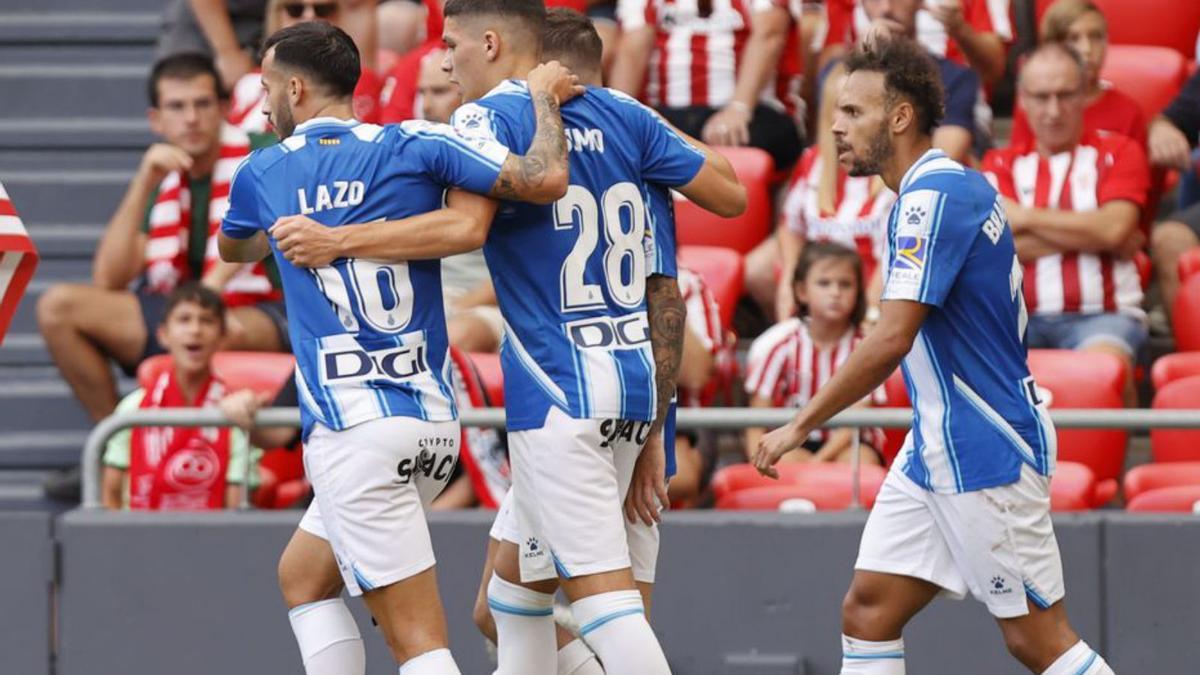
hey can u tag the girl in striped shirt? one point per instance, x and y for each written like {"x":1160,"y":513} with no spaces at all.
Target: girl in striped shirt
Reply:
{"x":795,"y":357}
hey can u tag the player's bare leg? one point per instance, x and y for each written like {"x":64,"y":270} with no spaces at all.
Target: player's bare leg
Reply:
{"x":83,"y":327}
{"x":410,"y":615}
{"x":874,"y":613}
{"x":1044,"y":642}
{"x":327,"y":634}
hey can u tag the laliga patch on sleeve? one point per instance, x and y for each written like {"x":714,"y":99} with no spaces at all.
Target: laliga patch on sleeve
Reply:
{"x":910,"y":253}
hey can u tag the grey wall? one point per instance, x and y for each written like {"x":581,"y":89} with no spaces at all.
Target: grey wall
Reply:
{"x":738,"y":593}
{"x":26,"y":573}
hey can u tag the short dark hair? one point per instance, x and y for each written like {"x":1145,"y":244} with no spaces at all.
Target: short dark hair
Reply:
{"x":183,"y":66}
{"x":198,"y":294}
{"x":531,"y":14}
{"x":816,"y":251}
{"x":908,"y":71}
{"x":320,"y":50}
{"x":571,"y":36}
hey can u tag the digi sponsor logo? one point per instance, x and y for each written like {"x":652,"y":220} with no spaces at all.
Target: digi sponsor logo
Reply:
{"x":910,"y":253}
{"x":603,"y":332}
{"x":348,"y":366}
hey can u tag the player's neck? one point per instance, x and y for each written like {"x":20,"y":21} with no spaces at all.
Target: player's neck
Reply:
{"x":341,"y":110}
{"x":907,"y":152}
{"x":825,"y":333}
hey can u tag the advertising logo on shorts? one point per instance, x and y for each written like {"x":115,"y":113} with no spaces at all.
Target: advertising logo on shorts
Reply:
{"x":194,"y":467}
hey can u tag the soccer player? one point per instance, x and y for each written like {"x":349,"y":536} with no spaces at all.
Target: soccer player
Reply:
{"x":380,"y":424}
{"x":581,"y":385}
{"x":967,"y":505}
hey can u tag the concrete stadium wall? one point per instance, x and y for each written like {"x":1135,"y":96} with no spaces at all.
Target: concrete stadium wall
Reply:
{"x":26,"y":575}
{"x":738,"y":593}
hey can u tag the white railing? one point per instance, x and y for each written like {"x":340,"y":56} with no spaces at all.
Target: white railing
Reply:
{"x":688,"y":418}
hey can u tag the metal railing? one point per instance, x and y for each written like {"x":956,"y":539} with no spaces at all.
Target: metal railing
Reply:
{"x":688,"y":418}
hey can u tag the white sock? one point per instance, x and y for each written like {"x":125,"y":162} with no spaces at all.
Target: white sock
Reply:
{"x":328,"y":638}
{"x":863,"y":657}
{"x":1079,"y":660}
{"x":436,"y":662}
{"x":524,"y":628}
{"x":614,"y":625}
{"x":576,"y":659}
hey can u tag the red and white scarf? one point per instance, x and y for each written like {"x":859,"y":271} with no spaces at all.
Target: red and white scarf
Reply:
{"x":175,"y":468}
{"x":170,"y":225}
{"x":18,"y":260}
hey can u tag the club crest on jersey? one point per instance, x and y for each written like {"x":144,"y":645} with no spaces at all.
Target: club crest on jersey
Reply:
{"x":910,"y":253}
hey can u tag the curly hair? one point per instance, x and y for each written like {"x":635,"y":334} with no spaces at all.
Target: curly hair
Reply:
{"x":908,"y":72}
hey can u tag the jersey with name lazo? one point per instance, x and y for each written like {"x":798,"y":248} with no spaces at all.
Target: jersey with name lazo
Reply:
{"x":571,"y":277}
{"x":977,"y":415}
{"x":369,"y":336}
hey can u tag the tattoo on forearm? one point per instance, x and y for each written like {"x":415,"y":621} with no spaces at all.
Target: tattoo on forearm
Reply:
{"x":667,"y":316}
{"x":548,"y":153}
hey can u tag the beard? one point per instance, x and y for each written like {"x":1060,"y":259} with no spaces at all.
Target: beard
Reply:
{"x":282,"y":119}
{"x":879,"y":151}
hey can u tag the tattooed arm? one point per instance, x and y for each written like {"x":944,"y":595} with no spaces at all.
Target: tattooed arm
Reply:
{"x":668,"y":321}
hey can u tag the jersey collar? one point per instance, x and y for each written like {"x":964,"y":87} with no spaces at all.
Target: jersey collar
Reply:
{"x":930,"y":155}
{"x":324,"y":122}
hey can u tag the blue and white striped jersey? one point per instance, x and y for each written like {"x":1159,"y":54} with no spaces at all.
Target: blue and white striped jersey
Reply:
{"x":571,"y":277}
{"x":977,"y":416}
{"x":369,"y":337}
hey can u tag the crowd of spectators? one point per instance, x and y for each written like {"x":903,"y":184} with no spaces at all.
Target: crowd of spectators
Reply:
{"x":1076,"y":170}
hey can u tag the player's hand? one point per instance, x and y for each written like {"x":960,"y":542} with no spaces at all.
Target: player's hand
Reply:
{"x":241,"y":407}
{"x":648,"y":488}
{"x":1168,"y":146}
{"x":161,"y":159}
{"x":555,"y":79}
{"x":776,"y":444}
{"x":949,"y":13}
{"x":882,"y":30}
{"x":729,"y":126}
{"x":305,"y":242}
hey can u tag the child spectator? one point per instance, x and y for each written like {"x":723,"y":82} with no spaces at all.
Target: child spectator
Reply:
{"x":180,"y":469}
{"x":822,"y":203}
{"x":796,"y":357}
{"x":1080,"y":25}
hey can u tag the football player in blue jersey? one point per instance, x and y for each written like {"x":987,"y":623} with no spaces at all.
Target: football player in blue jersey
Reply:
{"x":582,"y":389}
{"x":966,"y":508}
{"x":379,"y":420}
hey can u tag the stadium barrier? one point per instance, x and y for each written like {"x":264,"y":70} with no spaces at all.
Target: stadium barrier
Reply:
{"x":688,"y":418}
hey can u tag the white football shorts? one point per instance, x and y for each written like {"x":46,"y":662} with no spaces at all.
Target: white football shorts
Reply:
{"x":569,"y":483}
{"x":997,"y":543}
{"x":372,"y":484}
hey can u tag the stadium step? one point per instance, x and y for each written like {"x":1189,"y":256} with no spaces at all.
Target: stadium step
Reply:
{"x":21,"y":490}
{"x":65,"y":195}
{"x":19,"y":25}
{"x":55,"y":90}
{"x":43,"y":405}
{"x":41,"y":449}
{"x":65,"y":241}
{"x":59,"y":52}
{"x":130,"y":133}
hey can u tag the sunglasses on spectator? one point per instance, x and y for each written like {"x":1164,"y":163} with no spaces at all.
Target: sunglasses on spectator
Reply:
{"x":322,"y":10}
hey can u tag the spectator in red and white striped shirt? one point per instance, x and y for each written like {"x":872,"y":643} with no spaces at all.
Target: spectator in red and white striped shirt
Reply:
{"x":1073,"y":199}
{"x":689,"y":60}
{"x":18,"y":260}
{"x":796,"y":357}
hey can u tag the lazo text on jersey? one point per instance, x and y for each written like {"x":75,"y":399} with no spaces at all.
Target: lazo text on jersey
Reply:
{"x":341,"y":195}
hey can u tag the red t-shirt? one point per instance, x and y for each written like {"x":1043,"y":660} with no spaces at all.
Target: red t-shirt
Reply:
{"x":398,"y":98}
{"x":1113,"y":111}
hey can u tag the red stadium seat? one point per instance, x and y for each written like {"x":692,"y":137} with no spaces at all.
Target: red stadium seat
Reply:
{"x":1189,"y":263}
{"x":1171,"y":367}
{"x":820,"y":477}
{"x":1182,"y":499}
{"x":1086,"y":380}
{"x":897,"y":397}
{"x":488,"y":366}
{"x":1154,"y":476}
{"x":695,"y":226}
{"x":1151,"y":75}
{"x":771,"y":498}
{"x":1072,"y":487}
{"x":1185,"y":316}
{"x":1165,"y":23}
{"x":261,"y":371}
{"x":721,"y":269}
{"x":1177,"y":445}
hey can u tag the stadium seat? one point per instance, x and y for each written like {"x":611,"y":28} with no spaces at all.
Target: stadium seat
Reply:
{"x":1154,"y":476}
{"x":816,"y":476}
{"x":261,"y":371}
{"x":773,"y":498}
{"x":721,"y":269}
{"x":1165,"y":23}
{"x":897,"y":397}
{"x":1171,"y":367}
{"x":1185,"y":316}
{"x":1086,"y":380}
{"x":1151,"y":75}
{"x":1072,"y":487}
{"x":1176,"y":445}
{"x":1185,"y":499}
{"x":488,"y":366}
{"x":1189,"y":263}
{"x":695,"y":226}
